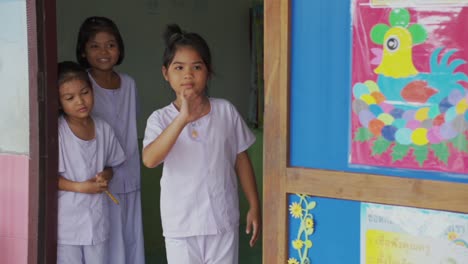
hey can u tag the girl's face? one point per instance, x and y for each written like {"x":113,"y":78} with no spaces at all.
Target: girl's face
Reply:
{"x":187,"y":71}
{"x":76,"y":98}
{"x":102,"y":51}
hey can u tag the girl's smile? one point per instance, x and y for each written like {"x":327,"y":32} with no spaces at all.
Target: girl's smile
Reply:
{"x":102,"y":51}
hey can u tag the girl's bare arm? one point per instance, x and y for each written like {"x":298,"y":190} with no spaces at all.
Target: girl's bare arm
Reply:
{"x":90,"y":186}
{"x":246,"y":176}
{"x":155,"y":152}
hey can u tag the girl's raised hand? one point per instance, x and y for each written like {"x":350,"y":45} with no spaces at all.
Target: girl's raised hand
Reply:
{"x":191,"y":105}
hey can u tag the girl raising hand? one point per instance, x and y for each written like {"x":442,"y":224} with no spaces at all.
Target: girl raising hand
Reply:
{"x":203,"y":144}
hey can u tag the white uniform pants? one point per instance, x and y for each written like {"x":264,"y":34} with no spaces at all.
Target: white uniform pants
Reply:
{"x":126,"y":230}
{"x":93,"y":254}
{"x":210,"y":249}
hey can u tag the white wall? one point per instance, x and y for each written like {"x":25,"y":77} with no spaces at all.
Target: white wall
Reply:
{"x":223,"y":23}
{"x":14,"y":79}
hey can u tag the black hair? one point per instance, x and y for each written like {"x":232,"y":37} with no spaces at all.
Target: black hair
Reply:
{"x":89,"y":28}
{"x":69,"y":70}
{"x":175,"y":38}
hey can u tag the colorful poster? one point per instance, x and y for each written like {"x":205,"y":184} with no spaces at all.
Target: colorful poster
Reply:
{"x":403,"y":235}
{"x":417,"y":3}
{"x":409,"y":85}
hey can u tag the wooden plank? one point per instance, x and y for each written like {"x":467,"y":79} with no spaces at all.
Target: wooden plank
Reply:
{"x":48,"y":132}
{"x":279,"y":179}
{"x":34,"y":150}
{"x":276,"y":69}
{"x":437,"y":195}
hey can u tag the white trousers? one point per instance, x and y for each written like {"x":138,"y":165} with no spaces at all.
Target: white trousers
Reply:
{"x":126,"y":230}
{"x":93,"y":254}
{"x":210,"y":249}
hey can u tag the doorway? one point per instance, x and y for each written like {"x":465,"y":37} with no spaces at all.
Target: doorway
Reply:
{"x":141,"y":24}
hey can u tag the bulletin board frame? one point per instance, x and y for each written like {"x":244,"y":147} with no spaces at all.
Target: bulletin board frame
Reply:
{"x":280,"y":178}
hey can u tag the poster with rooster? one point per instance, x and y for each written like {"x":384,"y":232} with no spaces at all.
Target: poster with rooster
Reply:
{"x":409,"y":85}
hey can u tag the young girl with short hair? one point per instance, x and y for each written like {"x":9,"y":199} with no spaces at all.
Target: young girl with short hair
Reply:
{"x":88,"y":149}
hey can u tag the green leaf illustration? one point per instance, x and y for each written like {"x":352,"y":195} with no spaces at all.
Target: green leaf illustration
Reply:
{"x":363,"y":134}
{"x":441,"y":151}
{"x":399,"y":17}
{"x":399,"y":151}
{"x":421,"y":152}
{"x":377,"y":33}
{"x":311,"y":205}
{"x":380,"y":146}
{"x":418,"y":32}
{"x":460,"y":143}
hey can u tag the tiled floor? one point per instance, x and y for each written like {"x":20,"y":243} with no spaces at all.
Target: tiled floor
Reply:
{"x":247,"y":255}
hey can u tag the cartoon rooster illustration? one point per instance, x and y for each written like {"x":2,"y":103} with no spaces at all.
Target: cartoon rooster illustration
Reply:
{"x":407,"y":109}
{"x":398,"y":78}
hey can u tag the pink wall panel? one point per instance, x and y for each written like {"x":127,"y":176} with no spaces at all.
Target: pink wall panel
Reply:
{"x":14,"y":178}
{"x":13,"y":250}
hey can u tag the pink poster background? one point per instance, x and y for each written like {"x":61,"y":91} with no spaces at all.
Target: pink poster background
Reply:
{"x":446,"y":26}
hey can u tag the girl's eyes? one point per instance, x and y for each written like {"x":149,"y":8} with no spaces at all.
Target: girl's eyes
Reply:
{"x":196,"y":67}
{"x":107,"y":46}
{"x":70,"y":98}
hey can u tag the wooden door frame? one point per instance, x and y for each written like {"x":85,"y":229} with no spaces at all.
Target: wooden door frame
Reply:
{"x":46,"y":137}
{"x":33,"y":180}
{"x":279,"y":178}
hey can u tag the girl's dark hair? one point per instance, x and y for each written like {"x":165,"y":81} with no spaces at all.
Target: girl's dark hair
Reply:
{"x":175,"y":38}
{"x":90,"y":27}
{"x":68,"y":71}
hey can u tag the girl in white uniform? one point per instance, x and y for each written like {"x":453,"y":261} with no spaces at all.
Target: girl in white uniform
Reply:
{"x":203,"y":144}
{"x":100,"y":48}
{"x":88,"y":149}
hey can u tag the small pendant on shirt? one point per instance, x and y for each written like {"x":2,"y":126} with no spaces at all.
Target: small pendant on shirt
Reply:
{"x":194,"y":133}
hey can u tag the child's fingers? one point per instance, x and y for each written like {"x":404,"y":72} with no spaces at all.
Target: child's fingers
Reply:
{"x":102,"y":182}
{"x":255,"y":232}
{"x":101,"y":176}
{"x":101,"y":186}
{"x":252,"y":227}
{"x":188,"y":94}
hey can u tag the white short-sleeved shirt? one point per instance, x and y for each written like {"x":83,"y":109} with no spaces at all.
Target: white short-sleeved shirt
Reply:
{"x":83,"y":218}
{"x":119,"y":108}
{"x":199,"y":182}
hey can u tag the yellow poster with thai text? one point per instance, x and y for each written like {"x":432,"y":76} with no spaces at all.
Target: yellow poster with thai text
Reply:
{"x":392,"y":248}
{"x":403,"y":235}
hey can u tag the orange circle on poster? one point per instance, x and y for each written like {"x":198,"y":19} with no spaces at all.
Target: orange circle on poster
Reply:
{"x":375,"y":126}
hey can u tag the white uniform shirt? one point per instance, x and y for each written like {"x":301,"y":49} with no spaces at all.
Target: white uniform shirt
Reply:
{"x":199,"y":182}
{"x":118,"y":108}
{"x":83,"y":218}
